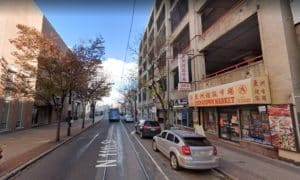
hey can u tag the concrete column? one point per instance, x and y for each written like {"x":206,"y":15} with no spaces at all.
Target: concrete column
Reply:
{"x":281,"y":56}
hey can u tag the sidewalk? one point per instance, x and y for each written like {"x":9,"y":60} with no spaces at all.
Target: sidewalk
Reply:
{"x":241,"y":164}
{"x":22,"y":146}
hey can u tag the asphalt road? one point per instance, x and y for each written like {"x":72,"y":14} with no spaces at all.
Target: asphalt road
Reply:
{"x":109,"y":151}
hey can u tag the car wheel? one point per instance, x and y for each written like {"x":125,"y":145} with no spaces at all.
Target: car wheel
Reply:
{"x":141,"y":134}
{"x":154,"y":146}
{"x":174,"y":162}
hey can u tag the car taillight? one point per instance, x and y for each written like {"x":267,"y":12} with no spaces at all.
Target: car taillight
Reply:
{"x":146,"y":127}
{"x":158,"y":127}
{"x":215,"y":150}
{"x":186,"y":150}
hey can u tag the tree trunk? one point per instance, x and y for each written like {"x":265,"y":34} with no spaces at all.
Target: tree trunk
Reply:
{"x":59,"y":115}
{"x":60,"y":110}
{"x":83,"y":116}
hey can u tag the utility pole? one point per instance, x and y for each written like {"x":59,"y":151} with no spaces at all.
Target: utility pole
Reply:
{"x":135,"y":106}
{"x":69,"y":113}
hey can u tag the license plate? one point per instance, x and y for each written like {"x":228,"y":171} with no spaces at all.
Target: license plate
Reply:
{"x":153,"y":129}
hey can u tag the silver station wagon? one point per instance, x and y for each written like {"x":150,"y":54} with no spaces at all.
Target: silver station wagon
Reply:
{"x":186,"y":149}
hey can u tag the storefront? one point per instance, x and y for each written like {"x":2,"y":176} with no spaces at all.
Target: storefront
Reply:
{"x":242,"y":112}
{"x":182,"y":113}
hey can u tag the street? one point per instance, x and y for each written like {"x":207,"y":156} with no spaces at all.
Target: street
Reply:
{"x":108,"y":151}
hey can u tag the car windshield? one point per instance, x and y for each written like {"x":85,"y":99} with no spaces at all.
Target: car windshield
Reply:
{"x":151,"y":123}
{"x":196,"y":141}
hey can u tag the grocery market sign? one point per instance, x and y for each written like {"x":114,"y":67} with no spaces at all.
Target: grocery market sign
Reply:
{"x":248,"y":91}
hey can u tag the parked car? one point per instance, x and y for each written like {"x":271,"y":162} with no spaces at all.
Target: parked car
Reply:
{"x":147,"y":128}
{"x":186,"y":149}
{"x":122,"y":117}
{"x":1,"y":153}
{"x":113,"y":114}
{"x":128,"y":118}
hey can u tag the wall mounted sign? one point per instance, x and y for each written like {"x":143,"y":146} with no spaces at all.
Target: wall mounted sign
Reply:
{"x":248,"y":91}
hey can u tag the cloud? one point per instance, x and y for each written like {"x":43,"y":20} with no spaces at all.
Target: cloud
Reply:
{"x":116,"y":70}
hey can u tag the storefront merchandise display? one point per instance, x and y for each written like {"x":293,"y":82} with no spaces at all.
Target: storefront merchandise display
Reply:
{"x":281,"y":125}
{"x":255,"y":126}
{"x":210,"y":120}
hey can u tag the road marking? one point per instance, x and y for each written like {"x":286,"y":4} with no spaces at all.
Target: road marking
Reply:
{"x":84,"y":148}
{"x":106,"y":163}
{"x":147,"y":152}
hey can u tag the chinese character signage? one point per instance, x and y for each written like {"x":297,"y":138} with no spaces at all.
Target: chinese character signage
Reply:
{"x":184,"y":87}
{"x":248,"y":91}
{"x":281,"y":125}
{"x":183,"y":68}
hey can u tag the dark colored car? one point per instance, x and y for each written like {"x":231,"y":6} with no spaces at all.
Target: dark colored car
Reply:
{"x":147,"y":128}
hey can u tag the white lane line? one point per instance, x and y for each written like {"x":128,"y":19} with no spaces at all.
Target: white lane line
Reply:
{"x":84,"y":148}
{"x":152,"y":159}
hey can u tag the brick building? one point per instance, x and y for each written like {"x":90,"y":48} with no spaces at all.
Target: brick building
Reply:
{"x":243,"y":66}
{"x":19,"y":113}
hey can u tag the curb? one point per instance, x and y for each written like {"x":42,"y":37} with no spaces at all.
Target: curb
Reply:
{"x":28,"y":163}
{"x":229,"y":176}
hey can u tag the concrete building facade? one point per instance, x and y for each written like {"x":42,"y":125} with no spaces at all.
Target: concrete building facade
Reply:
{"x":20,"y":112}
{"x":244,"y":71}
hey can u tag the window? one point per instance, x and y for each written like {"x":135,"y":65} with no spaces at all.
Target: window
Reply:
{"x":151,"y":37}
{"x":170,"y":137}
{"x":157,"y":4}
{"x":20,"y":114}
{"x":182,"y":41}
{"x":5,"y":114}
{"x":196,"y":141}
{"x":163,"y":134}
{"x":176,"y":140}
{"x":210,"y":124}
{"x":255,"y":125}
{"x":144,"y":95}
{"x":175,"y":78}
{"x":161,"y":38}
{"x":151,"y":123}
{"x":163,"y":83}
{"x":178,"y":12}
{"x":213,"y":10}
{"x":161,"y":18}
{"x":184,"y":117}
{"x":150,"y":21}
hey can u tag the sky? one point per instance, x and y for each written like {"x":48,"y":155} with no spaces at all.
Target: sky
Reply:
{"x":80,"y":20}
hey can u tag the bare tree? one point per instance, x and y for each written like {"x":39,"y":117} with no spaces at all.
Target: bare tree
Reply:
{"x":93,"y":84}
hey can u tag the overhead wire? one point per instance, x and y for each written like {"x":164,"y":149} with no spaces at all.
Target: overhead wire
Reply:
{"x":128,"y":40}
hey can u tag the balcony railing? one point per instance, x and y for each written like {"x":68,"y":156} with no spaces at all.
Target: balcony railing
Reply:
{"x":230,"y":68}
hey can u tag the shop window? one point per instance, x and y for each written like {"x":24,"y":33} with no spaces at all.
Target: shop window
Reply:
{"x":184,"y":117}
{"x":210,"y":120}
{"x":229,"y":124}
{"x":255,"y":125}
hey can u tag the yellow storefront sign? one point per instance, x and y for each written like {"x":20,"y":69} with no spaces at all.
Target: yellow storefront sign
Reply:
{"x":248,"y":91}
